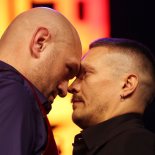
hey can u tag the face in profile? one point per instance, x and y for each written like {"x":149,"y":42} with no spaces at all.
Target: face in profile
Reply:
{"x":95,"y":88}
{"x":63,"y":65}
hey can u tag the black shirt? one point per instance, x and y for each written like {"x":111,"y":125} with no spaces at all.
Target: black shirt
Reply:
{"x":122,"y":135}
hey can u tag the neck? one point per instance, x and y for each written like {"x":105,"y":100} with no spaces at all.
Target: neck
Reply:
{"x":124,"y":107}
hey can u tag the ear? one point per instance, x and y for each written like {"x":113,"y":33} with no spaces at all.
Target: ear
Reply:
{"x":39,"y":40}
{"x":130,"y":85}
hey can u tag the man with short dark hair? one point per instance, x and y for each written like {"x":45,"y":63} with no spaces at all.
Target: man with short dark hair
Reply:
{"x":111,"y":92}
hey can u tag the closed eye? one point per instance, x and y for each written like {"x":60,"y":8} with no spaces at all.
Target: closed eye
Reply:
{"x":85,"y":70}
{"x":81,"y":73}
{"x":72,"y":71}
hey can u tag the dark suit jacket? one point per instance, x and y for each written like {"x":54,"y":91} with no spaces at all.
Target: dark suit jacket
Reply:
{"x":22,"y":126}
{"x":122,"y":135}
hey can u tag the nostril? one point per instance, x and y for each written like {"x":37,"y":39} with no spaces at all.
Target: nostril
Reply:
{"x":62,"y":93}
{"x":69,"y":90}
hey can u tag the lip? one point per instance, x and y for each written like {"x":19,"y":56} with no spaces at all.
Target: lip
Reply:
{"x":76,"y":101}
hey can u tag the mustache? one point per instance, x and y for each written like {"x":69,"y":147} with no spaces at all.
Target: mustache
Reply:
{"x":76,"y":98}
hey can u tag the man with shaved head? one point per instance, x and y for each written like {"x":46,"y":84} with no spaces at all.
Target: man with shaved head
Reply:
{"x":40,"y":52}
{"x":110,"y":94}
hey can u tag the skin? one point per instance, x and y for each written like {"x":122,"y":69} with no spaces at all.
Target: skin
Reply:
{"x":104,"y":77}
{"x":43,"y":45}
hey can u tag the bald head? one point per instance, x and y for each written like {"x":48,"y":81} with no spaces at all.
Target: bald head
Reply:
{"x":19,"y":34}
{"x":36,"y":41}
{"x":27,"y":23}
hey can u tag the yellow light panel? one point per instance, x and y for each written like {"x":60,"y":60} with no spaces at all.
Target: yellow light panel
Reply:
{"x":4,"y":15}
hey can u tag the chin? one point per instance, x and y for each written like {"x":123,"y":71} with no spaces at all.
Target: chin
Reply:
{"x":79,"y":122}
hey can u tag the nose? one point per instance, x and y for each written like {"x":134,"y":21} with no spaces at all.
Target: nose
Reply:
{"x":74,"y":87}
{"x":62,"y":88}
{"x":70,"y":89}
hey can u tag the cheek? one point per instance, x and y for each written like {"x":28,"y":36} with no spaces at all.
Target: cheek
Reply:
{"x":59,"y":73}
{"x":89,"y":89}
{"x":97,"y":92}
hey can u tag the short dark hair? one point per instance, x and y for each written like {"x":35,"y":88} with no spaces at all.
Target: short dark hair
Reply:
{"x":142,"y":55}
{"x":132,"y":46}
{"x":124,"y":43}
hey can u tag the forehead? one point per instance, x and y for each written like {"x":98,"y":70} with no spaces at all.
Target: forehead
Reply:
{"x":95,"y":56}
{"x":106,"y":54}
{"x":69,"y":38}
{"x":68,"y":48}
{"x":73,"y":55}
{"x":71,"y":47}
{"x":104,"y":59}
